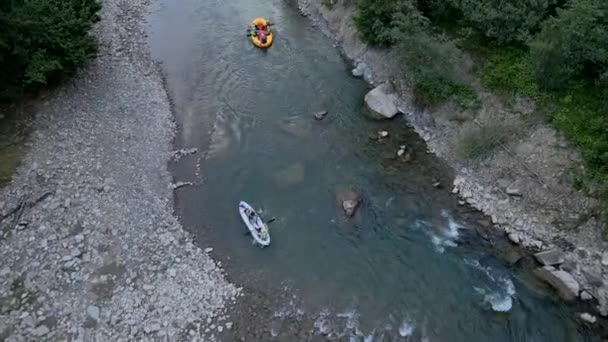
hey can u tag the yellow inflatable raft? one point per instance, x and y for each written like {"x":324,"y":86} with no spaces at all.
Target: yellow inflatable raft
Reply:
{"x":254,"y":38}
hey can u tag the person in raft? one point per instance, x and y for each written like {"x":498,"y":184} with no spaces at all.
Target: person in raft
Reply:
{"x":261,"y":31}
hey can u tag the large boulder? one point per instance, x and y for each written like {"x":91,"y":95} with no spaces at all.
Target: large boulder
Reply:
{"x":562,"y":281}
{"x":381,"y":102}
{"x":550,"y":257}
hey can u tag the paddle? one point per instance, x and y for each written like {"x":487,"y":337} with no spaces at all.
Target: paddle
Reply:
{"x":267,"y":222}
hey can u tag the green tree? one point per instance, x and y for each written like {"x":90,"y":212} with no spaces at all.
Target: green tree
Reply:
{"x":42,"y":42}
{"x":573,"y":46}
{"x":377,"y":19}
{"x":504,"y":21}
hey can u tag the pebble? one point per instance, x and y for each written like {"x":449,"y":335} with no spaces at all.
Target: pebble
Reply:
{"x":513,"y":192}
{"x":220,"y":328}
{"x":148,"y":287}
{"x":586,"y":295}
{"x":208,"y":250}
{"x":93,"y":312}
{"x":229,"y":325}
{"x":172,"y":272}
{"x":40,"y":331}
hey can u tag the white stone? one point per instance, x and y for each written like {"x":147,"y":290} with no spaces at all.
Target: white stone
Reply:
{"x":40,"y":331}
{"x":586,"y":295}
{"x":208,"y":250}
{"x":513,"y":192}
{"x":93,"y":312}
{"x":605,"y":258}
{"x":380,"y":102}
{"x":588,"y":318}
{"x":514,"y":237}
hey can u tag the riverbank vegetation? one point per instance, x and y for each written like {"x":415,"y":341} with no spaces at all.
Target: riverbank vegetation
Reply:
{"x":554,"y":52}
{"x":43,"y":42}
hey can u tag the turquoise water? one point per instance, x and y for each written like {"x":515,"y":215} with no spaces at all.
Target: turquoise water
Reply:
{"x":408,"y":266}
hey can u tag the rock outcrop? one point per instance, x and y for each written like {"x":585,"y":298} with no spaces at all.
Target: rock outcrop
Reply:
{"x":550,"y":257}
{"x":561,"y":280}
{"x":381,"y":102}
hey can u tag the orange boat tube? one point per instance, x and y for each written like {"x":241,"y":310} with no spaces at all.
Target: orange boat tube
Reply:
{"x":255,"y":38}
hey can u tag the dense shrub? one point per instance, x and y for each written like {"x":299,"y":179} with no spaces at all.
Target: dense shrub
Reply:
{"x":504,"y":21}
{"x":573,"y":46}
{"x":376,"y":20}
{"x":42,"y":42}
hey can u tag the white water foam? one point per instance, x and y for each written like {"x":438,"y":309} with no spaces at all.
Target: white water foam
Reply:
{"x":447,"y":237}
{"x":500,"y":300}
{"x":406,"y":328}
{"x":323,"y":324}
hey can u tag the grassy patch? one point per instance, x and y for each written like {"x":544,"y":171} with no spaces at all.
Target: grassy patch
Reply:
{"x":481,"y":142}
{"x":580,"y":112}
{"x":11,"y":150}
{"x":434,"y":91}
{"x":510,"y":69}
{"x":10,"y":157}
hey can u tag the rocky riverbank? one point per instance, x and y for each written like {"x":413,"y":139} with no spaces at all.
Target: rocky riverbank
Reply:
{"x":89,"y":247}
{"x":525,"y":186}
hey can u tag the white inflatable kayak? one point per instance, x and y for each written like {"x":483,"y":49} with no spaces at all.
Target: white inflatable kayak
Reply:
{"x":257,"y":227}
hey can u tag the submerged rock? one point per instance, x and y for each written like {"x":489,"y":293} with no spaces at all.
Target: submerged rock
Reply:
{"x":381,"y":102}
{"x":350,"y":201}
{"x":562,"y":281}
{"x":550,"y":257}
{"x":293,"y":174}
{"x":320,"y":115}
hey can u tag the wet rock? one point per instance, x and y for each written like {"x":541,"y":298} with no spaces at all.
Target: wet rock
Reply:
{"x":93,"y":312}
{"x":360,"y":69}
{"x":562,"y":281}
{"x":40,"y":331}
{"x":349,"y":200}
{"x":586,"y":295}
{"x":514,"y":237}
{"x":513,"y":192}
{"x":550,"y":257}
{"x":587,"y":317}
{"x":320,"y":115}
{"x":380,"y":102}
